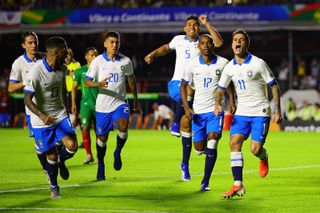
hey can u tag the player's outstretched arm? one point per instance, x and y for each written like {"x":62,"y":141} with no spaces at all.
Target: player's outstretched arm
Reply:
{"x":217,"y":39}
{"x":161,"y":51}
{"x":74,"y":97}
{"x":91,"y":83}
{"x":277,"y":117}
{"x":133,"y":87}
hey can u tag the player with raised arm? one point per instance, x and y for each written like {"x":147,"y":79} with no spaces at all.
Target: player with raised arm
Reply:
{"x":203,"y":74}
{"x":111,"y":69}
{"x":45,"y":96}
{"x":250,"y":76}
{"x":186,"y":48}
{"x":88,"y":102}
{"x":18,"y":78}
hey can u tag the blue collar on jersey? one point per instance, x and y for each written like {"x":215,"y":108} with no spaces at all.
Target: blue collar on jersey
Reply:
{"x":47,"y":65}
{"x":214,"y":60}
{"x":108,"y":59}
{"x":186,"y":38}
{"x":247,"y":61}
{"x":27,"y":58}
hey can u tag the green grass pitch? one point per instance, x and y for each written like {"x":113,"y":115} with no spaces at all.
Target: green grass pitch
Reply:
{"x":150,"y":179}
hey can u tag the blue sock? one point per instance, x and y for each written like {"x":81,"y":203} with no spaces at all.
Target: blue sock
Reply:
{"x":237,"y":172}
{"x":101,"y":152}
{"x":66,"y":154}
{"x":179,"y":112}
{"x":120,"y":143}
{"x":211,"y":157}
{"x":186,"y":149}
{"x":43,"y":160}
{"x":52,"y":169}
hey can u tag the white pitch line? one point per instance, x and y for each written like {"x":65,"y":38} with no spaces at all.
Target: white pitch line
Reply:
{"x":77,"y":210}
{"x":195,"y":175}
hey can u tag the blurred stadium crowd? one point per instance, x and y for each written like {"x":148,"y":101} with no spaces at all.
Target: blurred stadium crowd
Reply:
{"x":69,"y":4}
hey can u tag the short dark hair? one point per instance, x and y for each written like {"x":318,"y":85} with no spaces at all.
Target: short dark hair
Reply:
{"x":192,"y":17}
{"x":89,"y":49}
{"x":55,"y":42}
{"x":243,"y":32}
{"x":24,"y":35}
{"x":114,"y":34}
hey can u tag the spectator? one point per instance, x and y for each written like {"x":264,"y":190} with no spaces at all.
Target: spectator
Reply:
{"x":305,"y":112}
{"x":283,"y":71}
{"x":162,"y":116}
{"x":291,"y":110}
{"x":316,"y":115}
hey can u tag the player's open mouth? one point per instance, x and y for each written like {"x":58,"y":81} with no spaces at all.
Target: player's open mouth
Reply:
{"x":238,"y":47}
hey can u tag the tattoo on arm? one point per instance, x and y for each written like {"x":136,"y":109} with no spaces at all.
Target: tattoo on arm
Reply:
{"x":33,"y":107}
{"x":276,"y":96}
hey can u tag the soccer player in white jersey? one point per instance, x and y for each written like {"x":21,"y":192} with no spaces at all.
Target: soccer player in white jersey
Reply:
{"x":250,"y":76}
{"x":203,"y":74}
{"x":186,"y":48}
{"x":45,"y":96}
{"x":110,"y":70}
{"x":18,"y":78}
{"x":162,"y":116}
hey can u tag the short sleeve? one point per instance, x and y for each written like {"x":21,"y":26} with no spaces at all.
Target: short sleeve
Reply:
{"x":266,"y":73}
{"x":77,"y":76}
{"x":128,"y":68}
{"x":173,"y":43}
{"x":224,"y":79}
{"x":15,"y":74}
{"x":93,"y":70}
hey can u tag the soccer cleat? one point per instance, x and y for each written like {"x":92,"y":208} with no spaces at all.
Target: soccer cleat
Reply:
{"x":55,"y":192}
{"x":175,"y":129}
{"x":204,"y":186}
{"x":100,"y":173}
{"x":264,"y":167}
{"x":89,"y":159}
{"x":185,"y":172}
{"x":64,"y":172}
{"x":47,"y":176}
{"x":117,"y":164}
{"x":234,"y":190}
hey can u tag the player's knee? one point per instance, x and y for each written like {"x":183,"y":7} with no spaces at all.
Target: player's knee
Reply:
{"x":255,"y":149}
{"x":212,"y":144}
{"x":199,"y":147}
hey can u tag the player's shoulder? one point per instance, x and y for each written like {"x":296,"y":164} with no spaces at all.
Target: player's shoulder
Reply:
{"x":123,"y":58}
{"x":259,"y":62}
{"x":221,"y":59}
{"x":18,"y":61}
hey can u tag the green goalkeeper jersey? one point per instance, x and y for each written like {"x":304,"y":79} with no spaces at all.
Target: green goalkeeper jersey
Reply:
{"x":89,"y":95}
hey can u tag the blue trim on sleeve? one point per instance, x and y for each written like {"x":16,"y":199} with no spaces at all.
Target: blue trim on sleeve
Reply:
{"x":183,"y":80}
{"x":90,"y":78}
{"x":220,"y":87}
{"x":14,"y":81}
{"x":28,"y":91}
{"x":271,"y":83}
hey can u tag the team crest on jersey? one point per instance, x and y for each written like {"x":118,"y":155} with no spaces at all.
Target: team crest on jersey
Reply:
{"x":249,"y":74}
{"x":122,"y":67}
{"x":218,"y":72}
{"x":196,"y":45}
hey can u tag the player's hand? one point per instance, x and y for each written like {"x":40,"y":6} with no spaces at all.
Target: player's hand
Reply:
{"x":148,"y":59}
{"x":232,"y":108}
{"x":104,"y":82}
{"x":277,"y":117}
{"x":217,"y":109}
{"x":203,"y":19}
{"x":73,"y":109}
{"x":136,"y":107}
{"x":188,"y":113}
{"x":48,"y":120}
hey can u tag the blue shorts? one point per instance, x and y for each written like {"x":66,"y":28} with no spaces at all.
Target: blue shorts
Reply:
{"x":105,"y":121}
{"x":46,"y":138}
{"x":258,"y":126}
{"x":174,"y":90}
{"x":204,"y":123}
{"x":31,"y":134}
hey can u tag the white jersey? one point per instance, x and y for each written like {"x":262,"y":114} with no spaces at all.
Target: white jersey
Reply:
{"x":112,"y":96}
{"x":163,"y":111}
{"x":47,"y":85}
{"x":204,"y":79}
{"x":19,"y":71}
{"x":249,"y":79}
{"x":185,"y":51}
